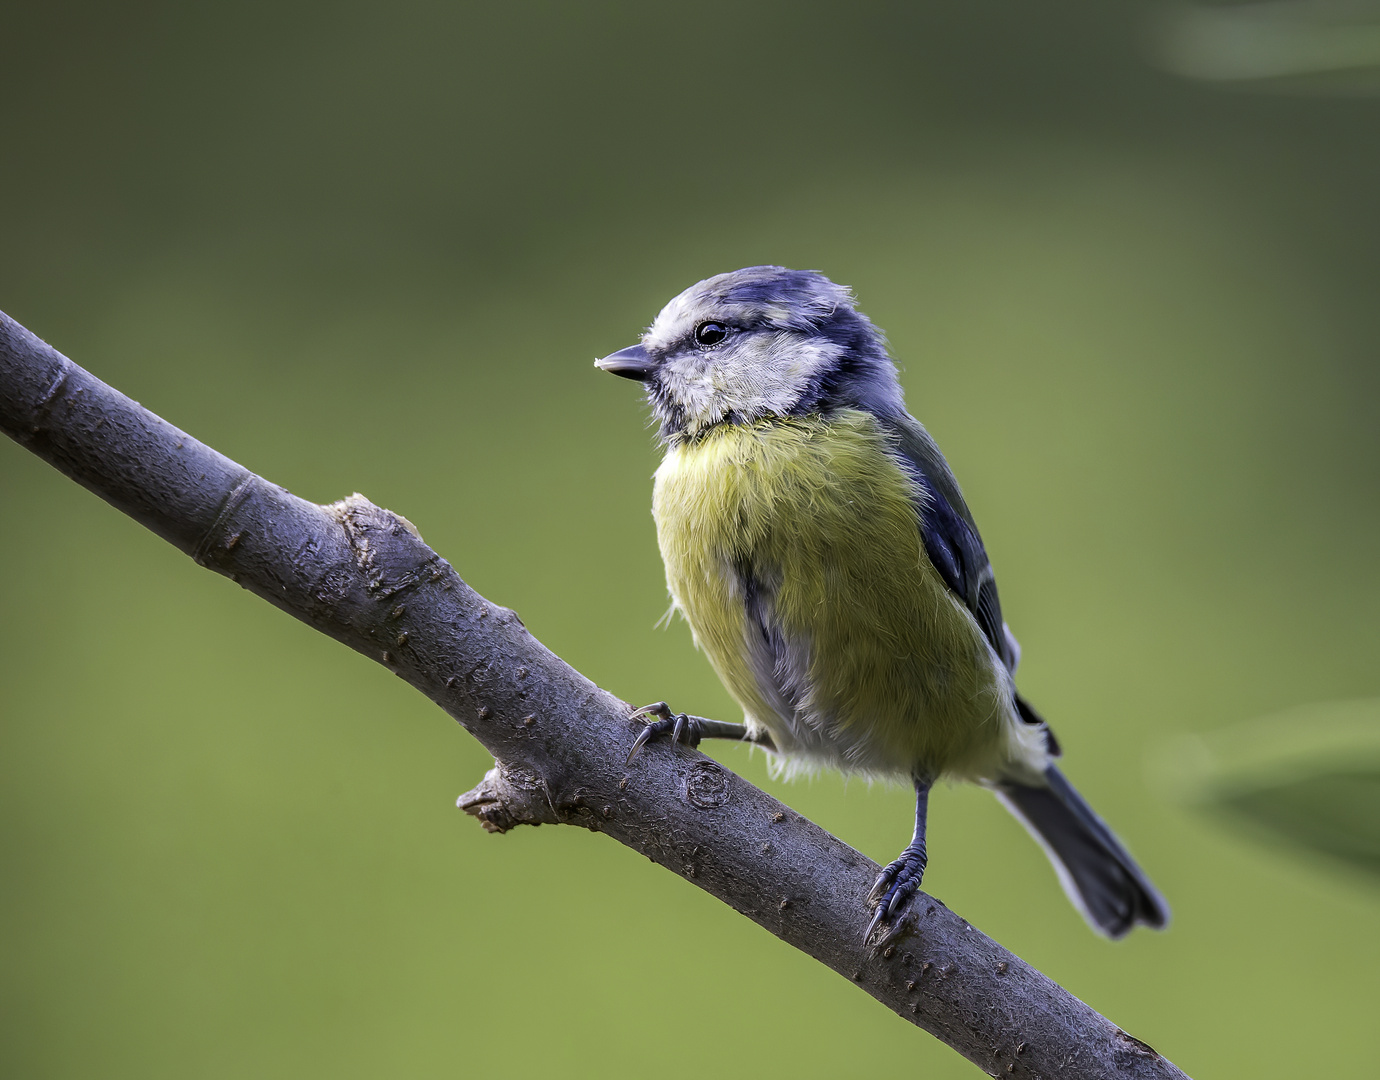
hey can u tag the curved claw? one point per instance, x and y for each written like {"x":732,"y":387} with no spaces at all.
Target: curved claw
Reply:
{"x":681,"y":727}
{"x":643,"y":738}
{"x":658,"y":709}
{"x":881,"y":885}
{"x":895,"y":885}
{"x":877,"y":920}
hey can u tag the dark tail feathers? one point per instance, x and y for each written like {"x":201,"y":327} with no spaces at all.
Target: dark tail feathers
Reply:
{"x":1100,"y":877}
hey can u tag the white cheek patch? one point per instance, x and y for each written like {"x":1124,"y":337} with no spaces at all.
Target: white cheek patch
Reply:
{"x":769,"y":373}
{"x":755,"y":376}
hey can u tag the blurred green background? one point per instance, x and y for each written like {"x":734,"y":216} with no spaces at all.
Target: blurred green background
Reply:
{"x":374,"y":248}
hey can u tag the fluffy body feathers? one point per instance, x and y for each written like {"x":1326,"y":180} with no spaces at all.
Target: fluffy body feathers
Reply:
{"x":792,"y":549}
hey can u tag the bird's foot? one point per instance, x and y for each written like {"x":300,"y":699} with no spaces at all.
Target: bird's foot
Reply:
{"x":895,"y":886}
{"x":682,"y":727}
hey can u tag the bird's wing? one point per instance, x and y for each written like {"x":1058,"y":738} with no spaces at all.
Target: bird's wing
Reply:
{"x":780,"y":665}
{"x":954,"y":545}
{"x":951,"y":535}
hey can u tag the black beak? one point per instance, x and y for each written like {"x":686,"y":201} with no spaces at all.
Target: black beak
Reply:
{"x":632,"y":363}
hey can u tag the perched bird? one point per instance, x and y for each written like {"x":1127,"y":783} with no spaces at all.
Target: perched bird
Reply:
{"x":818,"y":544}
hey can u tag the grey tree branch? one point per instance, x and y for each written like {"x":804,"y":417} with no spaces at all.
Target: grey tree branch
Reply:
{"x":363,"y":575}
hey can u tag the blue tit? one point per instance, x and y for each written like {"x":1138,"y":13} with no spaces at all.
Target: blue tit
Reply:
{"x":817,"y":543}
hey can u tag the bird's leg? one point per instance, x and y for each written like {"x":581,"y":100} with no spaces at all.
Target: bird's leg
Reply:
{"x":689,"y":730}
{"x":898,"y":882}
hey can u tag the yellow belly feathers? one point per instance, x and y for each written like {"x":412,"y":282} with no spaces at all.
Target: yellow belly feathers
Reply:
{"x":897,"y":676}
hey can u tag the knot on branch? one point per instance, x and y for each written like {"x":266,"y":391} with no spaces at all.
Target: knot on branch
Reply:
{"x":509,"y":795}
{"x":386,"y":546}
{"x":706,"y":785}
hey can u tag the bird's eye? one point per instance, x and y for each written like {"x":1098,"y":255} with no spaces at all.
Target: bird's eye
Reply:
{"x":709,"y":334}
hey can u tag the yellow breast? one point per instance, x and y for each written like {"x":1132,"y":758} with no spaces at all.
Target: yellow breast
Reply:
{"x":888,"y":672}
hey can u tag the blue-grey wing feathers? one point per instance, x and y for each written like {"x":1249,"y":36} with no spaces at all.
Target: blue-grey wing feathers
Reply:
{"x":951,"y":535}
{"x":779,"y":666}
{"x":954,"y":545}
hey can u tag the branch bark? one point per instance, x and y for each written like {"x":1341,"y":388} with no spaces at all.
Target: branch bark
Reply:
{"x":362,"y":575}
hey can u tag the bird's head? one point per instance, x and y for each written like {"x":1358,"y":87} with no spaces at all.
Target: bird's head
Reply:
{"x":757,"y":343}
